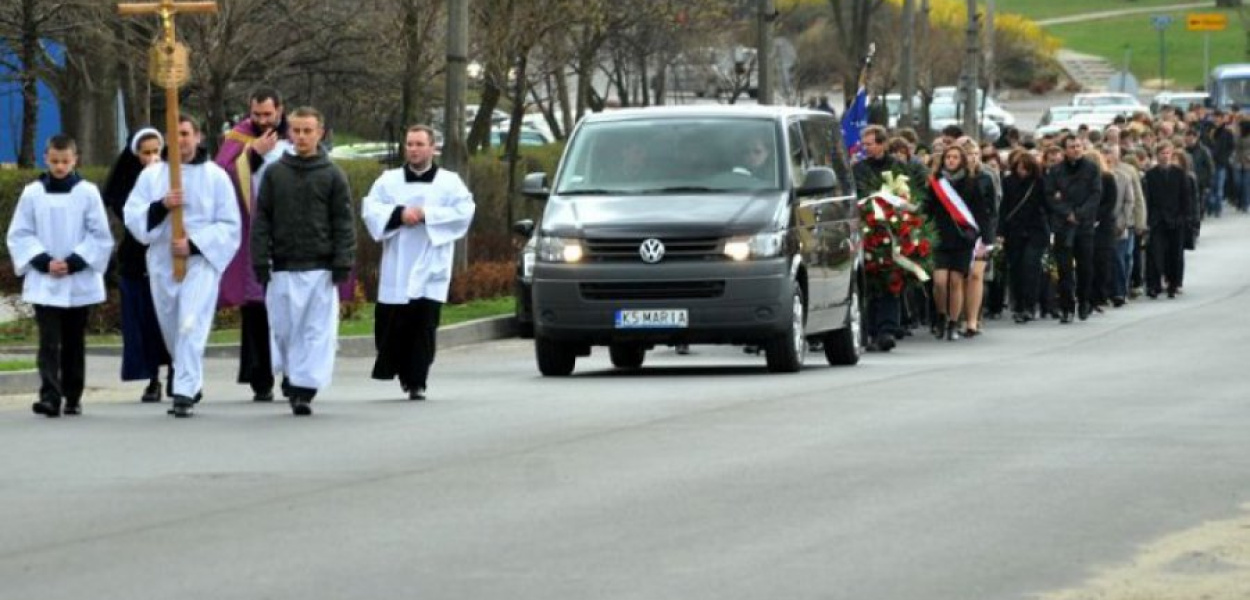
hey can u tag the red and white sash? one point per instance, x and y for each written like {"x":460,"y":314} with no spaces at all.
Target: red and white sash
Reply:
{"x":954,"y":205}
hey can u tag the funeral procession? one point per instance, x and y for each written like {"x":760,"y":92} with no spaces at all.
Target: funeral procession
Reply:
{"x":625,"y":299}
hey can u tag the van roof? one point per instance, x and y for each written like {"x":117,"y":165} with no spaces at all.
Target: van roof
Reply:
{"x":704,"y":110}
{"x":1234,"y":69}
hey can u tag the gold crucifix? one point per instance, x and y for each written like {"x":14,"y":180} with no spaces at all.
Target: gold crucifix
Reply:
{"x":170,"y":69}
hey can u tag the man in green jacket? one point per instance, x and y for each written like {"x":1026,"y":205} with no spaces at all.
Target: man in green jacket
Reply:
{"x":303,"y":244}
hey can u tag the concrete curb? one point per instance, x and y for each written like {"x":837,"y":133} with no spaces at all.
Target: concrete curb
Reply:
{"x":460,"y":334}
{"x":19,"y":382}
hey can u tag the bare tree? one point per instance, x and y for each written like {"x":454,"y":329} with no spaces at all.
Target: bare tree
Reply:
{"x":23,"y":26}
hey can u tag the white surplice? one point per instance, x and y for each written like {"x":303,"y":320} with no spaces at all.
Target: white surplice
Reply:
{"x":210,"y":216}
{"x":417,"y":260}
{"x":61,"y":225}
{"x":303,"y":326}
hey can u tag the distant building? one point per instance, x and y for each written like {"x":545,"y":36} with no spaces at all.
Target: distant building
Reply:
{"x":49,"y":121}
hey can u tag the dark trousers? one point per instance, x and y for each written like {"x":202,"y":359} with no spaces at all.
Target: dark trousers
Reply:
{"x":1083,"y":252}
{"x":1024,"y":266}
{"x":1167,"y":258}
{"x":996,"y":274}
{"x":1137,"y":271}
{"x":405,"y":338}
{"x":1105,"y":270}
{"x":884,"y":315}
{"x":255,"y":365}
{"x":62,"y":356}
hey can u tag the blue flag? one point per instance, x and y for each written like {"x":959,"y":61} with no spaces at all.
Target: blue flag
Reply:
{"x":854,"y":121}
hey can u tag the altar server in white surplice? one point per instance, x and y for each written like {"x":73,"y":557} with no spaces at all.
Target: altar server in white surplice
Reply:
{"x":212,"y":224}
{"x":417,"y":212}
{"x":60,"y":242}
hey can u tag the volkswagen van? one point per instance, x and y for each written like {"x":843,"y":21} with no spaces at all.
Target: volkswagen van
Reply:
{"x":668,"y":226}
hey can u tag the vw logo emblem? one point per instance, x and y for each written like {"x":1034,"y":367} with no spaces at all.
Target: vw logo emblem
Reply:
{"x":651,"y":251}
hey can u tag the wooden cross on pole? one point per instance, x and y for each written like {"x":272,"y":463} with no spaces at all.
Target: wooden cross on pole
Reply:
{"x":170,"y":69}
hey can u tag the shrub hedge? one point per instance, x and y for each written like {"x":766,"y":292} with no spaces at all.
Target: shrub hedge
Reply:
{"x":491,"y":244}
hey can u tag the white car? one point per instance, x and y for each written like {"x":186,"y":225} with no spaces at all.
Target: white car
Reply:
{"x":942,"y":114}
{"x":988,"y":106}
{"x":1181,"y":100}
{"x":1107,"y":99}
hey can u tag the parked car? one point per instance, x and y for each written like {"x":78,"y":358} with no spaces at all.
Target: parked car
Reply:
{"x":1181,"y":100}
{"x":655,"y":233}
{"x":942,"y":114}
{"x":988,"y":106}
{"x":1107,"y":99}
{"x":523,"y":282}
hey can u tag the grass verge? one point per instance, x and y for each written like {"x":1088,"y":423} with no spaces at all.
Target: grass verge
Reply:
{"x":1110,"y":38}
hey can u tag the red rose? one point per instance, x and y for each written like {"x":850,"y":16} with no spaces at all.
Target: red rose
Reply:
{"x":924,"y":247}
{"x":896,"y":282}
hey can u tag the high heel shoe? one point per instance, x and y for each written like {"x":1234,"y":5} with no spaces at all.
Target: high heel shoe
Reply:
{"x":952,"y":331}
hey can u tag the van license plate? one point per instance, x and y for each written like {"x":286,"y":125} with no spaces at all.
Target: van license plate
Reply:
{"x":676,"y":318}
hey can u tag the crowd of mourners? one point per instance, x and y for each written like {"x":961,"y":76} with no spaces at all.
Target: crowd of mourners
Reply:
{"x":1061,"y":227}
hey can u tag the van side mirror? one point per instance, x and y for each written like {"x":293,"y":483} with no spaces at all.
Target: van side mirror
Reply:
{"x":524,"y":228}
{"x":819,"y":180}
{"x":535,"y":186}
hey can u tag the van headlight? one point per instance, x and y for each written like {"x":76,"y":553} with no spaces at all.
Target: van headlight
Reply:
{"x":762,"y":245}
{"x":559,"y":250}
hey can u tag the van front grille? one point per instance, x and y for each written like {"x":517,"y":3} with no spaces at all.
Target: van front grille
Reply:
{"x":653,"y":290}
{"x":626,"y":249}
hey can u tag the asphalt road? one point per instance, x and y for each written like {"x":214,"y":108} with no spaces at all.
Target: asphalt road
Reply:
{"x":1024,"y":462}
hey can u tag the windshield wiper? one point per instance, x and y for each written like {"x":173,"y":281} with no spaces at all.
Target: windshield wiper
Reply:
{"x":590,"y":192}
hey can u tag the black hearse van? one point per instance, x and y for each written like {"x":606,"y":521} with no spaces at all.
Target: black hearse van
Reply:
{"x":698,"y":225}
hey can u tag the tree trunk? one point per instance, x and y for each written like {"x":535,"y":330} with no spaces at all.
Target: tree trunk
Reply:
{"x":479,"y":134}
{"x":30,"y":86}
{"x":562,"y":94}
{"x":514,"y":131}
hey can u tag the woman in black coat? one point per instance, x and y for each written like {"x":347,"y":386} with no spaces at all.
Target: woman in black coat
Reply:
{"x":952,"y":259}
{"x":1025,"y":232}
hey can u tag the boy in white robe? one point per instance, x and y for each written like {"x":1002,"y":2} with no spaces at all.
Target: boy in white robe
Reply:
{"x":60,"y":243}
{"x":303,"y":245}
{"x":212,"y":225}
{"x":417,"y":212}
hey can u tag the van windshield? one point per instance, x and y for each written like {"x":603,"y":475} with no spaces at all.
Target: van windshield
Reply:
{"x":671,"y":155}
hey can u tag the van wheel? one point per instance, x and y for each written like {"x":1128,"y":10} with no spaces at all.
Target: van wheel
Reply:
{"x":845,"y":346}
{"x":786,"y":353}
{"x":627,"y":356}
{"x":554,"y":358}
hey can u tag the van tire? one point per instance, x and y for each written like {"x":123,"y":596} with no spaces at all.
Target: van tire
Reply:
{"x":843,"y":347}
{"x":785,"y":353}
{"x":554,"y":358}
{"x":627,"y":356}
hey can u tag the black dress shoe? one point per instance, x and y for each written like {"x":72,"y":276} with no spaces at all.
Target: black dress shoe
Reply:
{"x":300,"y":406}
{"x":1066,"y":317}
{"x":1171,"y":293}
{"x":47,"y":408}
{"x":263,"y":396}
{"x":885,"y":343}
{"x":152,"y":393}
{"x":183,"y":406}
{"x":416,"y":393}
{"x":1083,"y":312}
{"x":73,"y":408}
{"x":1152,"y":294}
{"x":1117,"y":302}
